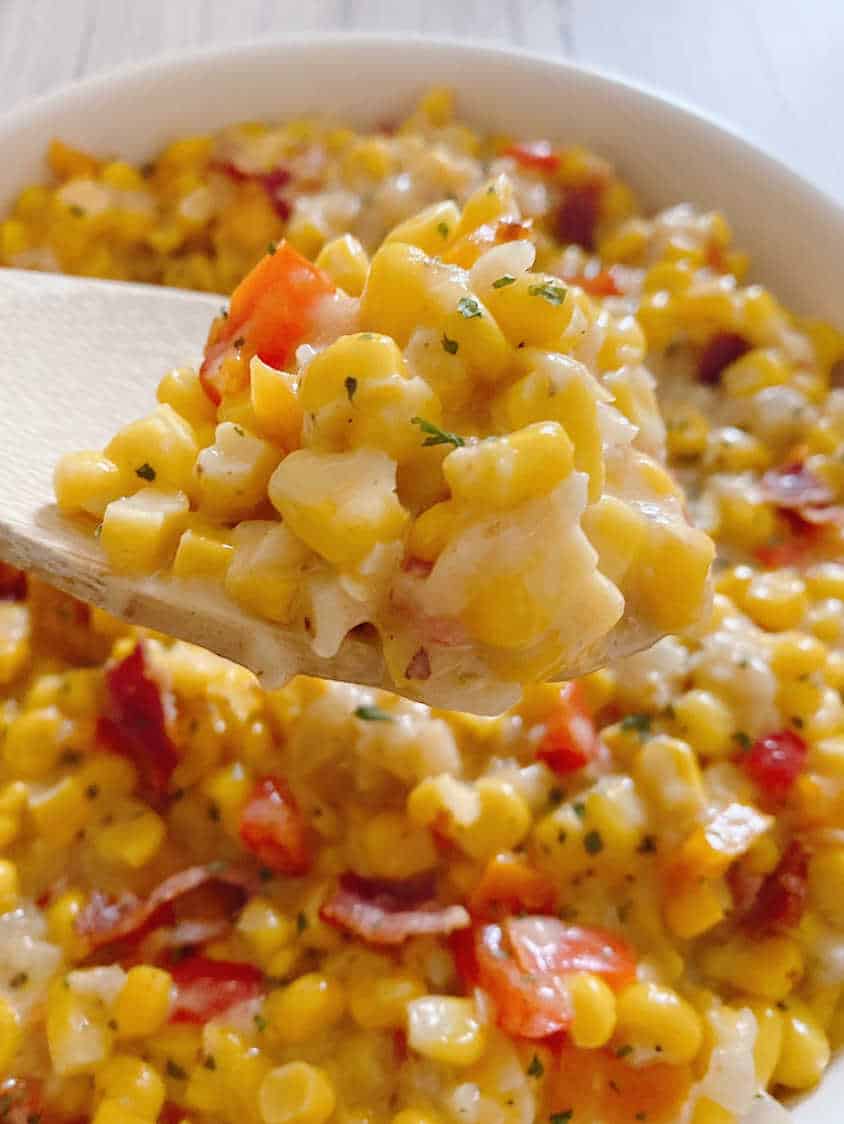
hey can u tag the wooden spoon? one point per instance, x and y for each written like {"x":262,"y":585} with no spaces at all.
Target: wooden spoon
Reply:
{"x":79,"y":359}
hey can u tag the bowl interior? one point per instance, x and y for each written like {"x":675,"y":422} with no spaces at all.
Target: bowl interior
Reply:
{"x":794,"y":233}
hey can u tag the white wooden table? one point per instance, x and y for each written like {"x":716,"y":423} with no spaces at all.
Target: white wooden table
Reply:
{"x":771,"y":68}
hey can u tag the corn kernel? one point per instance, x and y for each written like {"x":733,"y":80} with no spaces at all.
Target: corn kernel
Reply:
{"x":115,"y":1112}
{"x":666,"y":771}
{"x":826,"y":878}
{"x":593,"y":1010}
{"x":140,"y":533}
{"x":133,"y":836}
{"x":264,"y":928}
{"x":232,"y":474}
{"x":768,"y":968}
{"x":11,"y":1035}
{"x":203,"y":552}
{"x":381,"y":1003}
{"x":707,"y":1111}
{"x":503,"y":821}
{"x":60,"y":812}
{"x":305,"y":1008}
{"x":396,"y":848}
{"x":431,"y":229}
{"x":776,"y":601}
{"x":446,"y":1029}
{"x":129,"y":1082}
{"x":296,"y":1093}
{"x":705,"y":722}
{"x":34,"y":742}
{"x":88,"y":482}
{"x":264,"y":573}
{"x":143,"y":1004}
{"x":805,"y":1049}
{"x":649,"y":1015}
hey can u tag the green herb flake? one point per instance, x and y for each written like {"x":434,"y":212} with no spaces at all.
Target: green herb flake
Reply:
{"x":92,"y":791}
{"x":637,"y":724}
{"x":442,"y":229}
{"x":550,"y":291}
{"x":503,"y":281}
{"x":742,"y":739}
{"x":239,"y":342}
{"x":210,"y":1062}
{"x":372,"y":714}
{"x":579,"y":809}
{"x":351,"y":385}
{"x":469,"y":308}
{"x":19,"y":980}
{"x":624,"y":1051}
{"x":641,"y":1116}
{"x":437,"y":436}
{"x":451,"y":346}
{"x":146,"y":472}
{"x":174,"y":1070}
{"x":592,"y":842}
{"x":536,"y":1068}
{"x":76,"y":210}
{"x":301,"y":922}
{"x":561,"y":1117}
{"x":260,"y":1023}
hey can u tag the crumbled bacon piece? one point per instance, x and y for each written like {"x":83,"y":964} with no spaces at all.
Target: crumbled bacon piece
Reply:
{"x":781,"y":898}
{"x":106,"y":920}
{"x":794,"y":486}
{"x":135,"y":722}
{"x":576,"y":216}
{"x":419,"y":666}
{"x":721,"y":350}
{"x":12,"y":583}
{"x":389,"y":913}
{"x":208,"y":988}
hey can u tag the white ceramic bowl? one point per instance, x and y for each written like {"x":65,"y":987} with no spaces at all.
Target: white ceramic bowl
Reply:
{"x":670,"y":154}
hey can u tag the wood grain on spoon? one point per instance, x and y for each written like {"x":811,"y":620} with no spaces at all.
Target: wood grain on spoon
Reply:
{"x":79,"y":357}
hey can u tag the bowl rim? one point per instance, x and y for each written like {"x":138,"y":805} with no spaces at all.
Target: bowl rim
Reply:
{"x":31,"y":111}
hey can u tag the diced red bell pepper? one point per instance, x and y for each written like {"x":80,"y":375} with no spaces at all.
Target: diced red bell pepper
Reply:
{"x":538,"y":156}
{"x":782,"y":896}
{"x":273,"y":828}
{"x":774,"y":763}
{"x":570,"y":740}
{"x":721,"y":350}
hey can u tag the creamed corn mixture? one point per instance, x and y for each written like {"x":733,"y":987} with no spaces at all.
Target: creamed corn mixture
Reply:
{"x":621,"y":901}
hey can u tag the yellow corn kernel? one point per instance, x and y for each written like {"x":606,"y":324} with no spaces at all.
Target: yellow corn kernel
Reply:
{"x":795,"y":654}
{"x":276,"y":409}
{"x":625,"y":242}
{"x":695,"y":907}
{"x":826,"y":579}
{"x":112,"y":1111}
{"x":686,"y":431}
{"x":805,"y":1049}
{"x":768,"y":968}
{"x":14,"y":239}
{"x":535,"y":310}
{"x":558,"y":388}
{"x":753,"y":372}
{"x":233,"y":473}
{"x":203,"y":552}
{"x":305,"y":1008}
{"x":61,"y":811}
{"x":618,"y":532}
{"x":491,"y":201}
{"x":776,"y":601}
{"x":381,"y":1003}
{"x":374,"y":407}
{"x":264,"y":929}
{"x":651,"y":1016}
{"x":413,"y":1116}
{"x":593,"y":1010}
{"x":707,"y":1111}
{"x":769,"y":1038}
{"x":15,"y":651}
{"x":800,"y":699}
{"x":340,"y":504}
{"x":670,"y":576}
{"x":706,"y":722}
{"x":88,"y":482}
{"x":160,"y":447}
{"x":133,"y":836}
{"x":11,"y":1035}
{"x":109,"y":774}
{"x":446,"y":1029}
{"x":228,"y":788}
{"x":346,"y":263}
{"x":502,"y":472}
{"x":667,"y":772}
{"x":598,"y":688}
{"x":745,"y":522}
{"x":133,"y":1084}
{"x":397,"y":848}
{"x":432,"y":229}
{"x":826,"y":878}
{"x":181,"y":389}
{"x":296,"y":1093}
{"x":265,"y":572}
{"x":34,"y":742}
{"x":62,"y":915}
{"x":143,"y":1004}
{"x":431,"y":531}
{"x":78,"y":1035}
{"x":503,"y":821}
{"x":13,"y":802}
{"x":140,"y":533}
